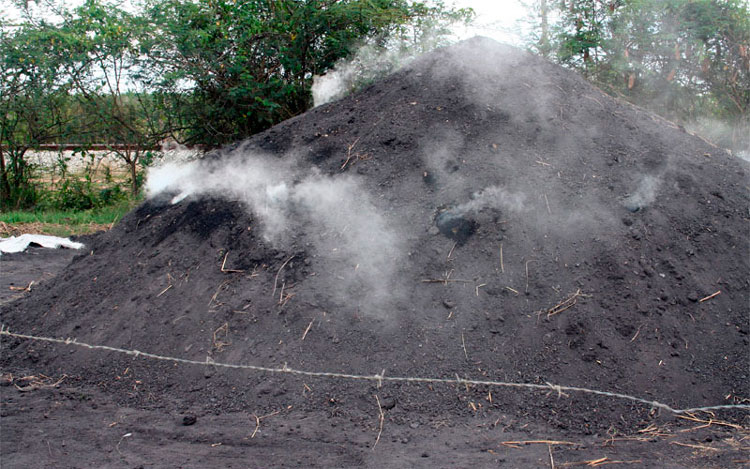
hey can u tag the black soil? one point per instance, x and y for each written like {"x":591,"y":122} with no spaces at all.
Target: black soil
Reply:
{"x":625,"y":215}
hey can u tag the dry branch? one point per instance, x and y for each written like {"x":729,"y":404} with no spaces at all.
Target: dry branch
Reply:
{"x":599,"y":462}
{"x":709,"y":297}
{"x":382,"y":421}
{"x":38,"y":382}
{"x":258,"y":419}
{"x":276,"y":279}
{"x":565,"y":304}
{"x":307,"y":329}
{"x":223,"y":264}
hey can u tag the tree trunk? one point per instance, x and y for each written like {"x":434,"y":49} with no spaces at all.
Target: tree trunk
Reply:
{"x":4,"y":182}
{"x":544,"y":48}
{"x":133,"y":170}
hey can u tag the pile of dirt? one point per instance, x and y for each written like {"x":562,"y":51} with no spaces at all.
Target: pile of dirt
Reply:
{"x":480,"y":213}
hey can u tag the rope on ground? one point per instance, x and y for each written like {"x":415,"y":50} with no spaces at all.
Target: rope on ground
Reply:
{"x":379,"y":378}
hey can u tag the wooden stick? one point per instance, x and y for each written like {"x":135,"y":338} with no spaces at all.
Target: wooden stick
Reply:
{"x":382,"y":420}
{"x":451,"y":251}
{"x":164,"y":291}
{"x":551,"y":460}
{"x":565,"y":304}
{"x":27,"y":288}
{"x":540,"y":442}
{"x":463,"y":343}
{"x":687,"y":445}
{"x":349,"y":153}
{"x":445,"y":280}
{"x":258,"y":419}
{"x":599,"y":462}
{"x":527,"y":274}
{"x":636,"y":333}
{"x":308,"y":329}
{"x":228,"y":270}
{"x":709,"y":422}
{"x":709,"y":297}
{"x":502,"y":268}
{"x":276,"y":279}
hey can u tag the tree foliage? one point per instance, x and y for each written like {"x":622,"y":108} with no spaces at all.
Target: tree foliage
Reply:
{"x":686,"y":59}
{"x":206,"y":72}
{"x":239,"y":67}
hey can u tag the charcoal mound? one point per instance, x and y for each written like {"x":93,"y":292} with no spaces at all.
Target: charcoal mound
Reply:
{"x":480,"y":213}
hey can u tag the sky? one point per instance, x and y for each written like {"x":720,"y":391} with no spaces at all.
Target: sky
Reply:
{"x":494,"y":18}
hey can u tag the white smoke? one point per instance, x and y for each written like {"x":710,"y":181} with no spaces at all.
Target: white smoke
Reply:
{"x":644,"y":195}
{"x":369,"y":63}
{"x":494,"y":197}
{"x":354,"y":245}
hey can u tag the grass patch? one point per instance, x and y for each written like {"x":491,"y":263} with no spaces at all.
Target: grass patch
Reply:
{"x":62,"y":222}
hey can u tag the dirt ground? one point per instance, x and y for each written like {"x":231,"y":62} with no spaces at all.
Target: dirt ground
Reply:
{"x":72,"y":424}
{"x":481,"y":215}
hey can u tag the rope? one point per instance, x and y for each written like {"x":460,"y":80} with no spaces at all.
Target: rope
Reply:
{"x":379,"y":378}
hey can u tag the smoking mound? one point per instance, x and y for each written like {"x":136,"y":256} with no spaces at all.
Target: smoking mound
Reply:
{"x":480,"y":212}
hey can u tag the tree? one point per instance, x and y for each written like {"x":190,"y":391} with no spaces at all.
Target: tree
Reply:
{"x":235,"y":68}
{"x":686,"y":59}
{"x":106,"y":67}
{"x":34,"y":106}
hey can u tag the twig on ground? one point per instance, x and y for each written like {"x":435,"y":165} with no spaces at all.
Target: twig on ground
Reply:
{"x":38,"y":382}
{"x":709,"y":297}
{"x":127,"y":435}
{"x":164,"y":291}
{"x":636,"y":333}
{"x":223,"y":264}
{"x":502,"y":268}
{"x":258,"y":419}
{"x":382,"y":421}
{"x":688,"y":445}
{"x":527,"y":274}
{"x":276,"y":279}
{"x":708,"y":422}
{"x":446,"y":278}
{"x":27,"y":288}
{"x":551,"y":459}
{"x":450,"y":253}
{"x":520,"y":443}
{"x":549,"y":211}
{"x":307,"y":329}
{"x":476,"y":289}
{"x":599,"y":462}
{"x":216,"y":294}
{"x":463,"y":343}
{"x":220,"y":337}
{"x":565,"y":304}
{"x":349,"y":153}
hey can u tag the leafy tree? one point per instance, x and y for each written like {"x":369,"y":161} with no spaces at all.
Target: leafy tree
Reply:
{"x":686,"y":59}
{"x":105,"y":64}
{"x":235,"y":68}
{"x":34,"y":106}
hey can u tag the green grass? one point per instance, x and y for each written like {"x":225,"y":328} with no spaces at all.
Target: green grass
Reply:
{"x":67,"y":223}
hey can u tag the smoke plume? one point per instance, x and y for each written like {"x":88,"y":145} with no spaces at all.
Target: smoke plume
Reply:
{"x":354,"y":246}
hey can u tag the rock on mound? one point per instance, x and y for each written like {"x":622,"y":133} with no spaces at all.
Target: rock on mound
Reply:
{"x":482,"y":213}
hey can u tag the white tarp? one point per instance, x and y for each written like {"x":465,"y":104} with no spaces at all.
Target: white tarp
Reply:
{"x":20,"y":243}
